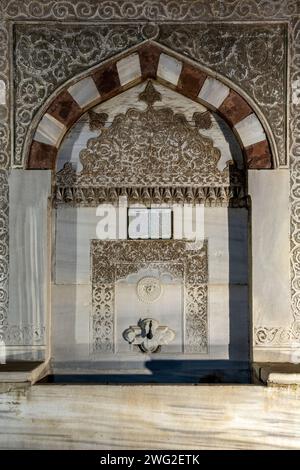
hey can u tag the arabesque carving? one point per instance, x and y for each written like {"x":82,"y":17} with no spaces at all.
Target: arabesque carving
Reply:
{"x":155,"y":147}
{"x":112,"y":260}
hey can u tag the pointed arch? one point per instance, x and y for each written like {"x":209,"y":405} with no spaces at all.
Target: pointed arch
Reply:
{"x":150,"y":60}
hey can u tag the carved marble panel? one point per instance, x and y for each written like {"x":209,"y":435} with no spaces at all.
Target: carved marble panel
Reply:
{"x":113,"y":260}
{"x":46,"y":56}
{"x":252,"y":56}
{"x":149,"y":10}
{"x":155,"y":147}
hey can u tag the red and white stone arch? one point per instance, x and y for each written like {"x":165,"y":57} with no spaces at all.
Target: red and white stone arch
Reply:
{"x":149,"y":60}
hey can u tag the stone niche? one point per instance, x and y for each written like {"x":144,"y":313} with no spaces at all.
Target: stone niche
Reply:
{"x":118,"y":302}
{"x":159,"y":279}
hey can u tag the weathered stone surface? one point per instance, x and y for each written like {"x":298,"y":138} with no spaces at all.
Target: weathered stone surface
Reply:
{"x":191,"y":80}
{"x":41,"y":156}
{"x":234,"y":108}
{"x":259,"y":156}
{"x":107,"y":80}
{"x":84,"y":92}
{"x":159,"y":417}
{"x":149,"y":57}
{"x":65,"y":109}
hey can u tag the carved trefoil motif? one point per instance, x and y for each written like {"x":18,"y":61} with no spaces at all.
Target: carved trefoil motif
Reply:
{"x":114,"y":260}
{"x":149,"y":335}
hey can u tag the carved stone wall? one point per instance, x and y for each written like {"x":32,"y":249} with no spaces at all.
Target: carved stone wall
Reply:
{"x":187,"y":11}
{"x":252,"y":56}
{"x":46,"y":56}
{"x":112,"y":260}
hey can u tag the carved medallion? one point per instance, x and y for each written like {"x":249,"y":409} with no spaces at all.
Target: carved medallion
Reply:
{"x":149,"y":289}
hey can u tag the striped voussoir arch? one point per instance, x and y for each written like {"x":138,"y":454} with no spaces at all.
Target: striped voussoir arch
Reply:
{"x":149,"y":60}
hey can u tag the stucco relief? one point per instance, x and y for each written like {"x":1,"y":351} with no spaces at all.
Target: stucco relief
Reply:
{"x":108,"y":259}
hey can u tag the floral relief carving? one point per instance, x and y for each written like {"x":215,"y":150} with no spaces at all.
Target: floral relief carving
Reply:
{"x":46,"y":56}
{"x":113,"y":260}
{"x":159,"y":10}
{"x":155,"y":147}
{"x":254,"y":57}
{"x":26,"y":335}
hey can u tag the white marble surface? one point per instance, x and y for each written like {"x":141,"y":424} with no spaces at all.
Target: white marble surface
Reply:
{"x":168,"y":309}
{"x":28,"y":239}
{"x":229,"y":323}
{"x":49,"y":131}
{"x":71,"y":308}
{"x":213,"y":92}
{"x":250,"y":130}
{"x":149,"y":417}
{"x":269,"y":192}
{"x":84,"y":92}
{"x":227,"y":258}
{"x":2,"y":92}
{"x":74,"y":230}
{"x":169,"y":68}
{"x":129,"y":68}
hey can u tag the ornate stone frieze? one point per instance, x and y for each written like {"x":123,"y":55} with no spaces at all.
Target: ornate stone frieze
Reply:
{"x":91,"y":197}
{"x":158,"y":10}
{"x":265,"y":336}
{"x":26,"y":335}
{"x":4,"y":254}
{"x":108,"y":259}
{"x":46,"y":56}
{"x":252,"y":56}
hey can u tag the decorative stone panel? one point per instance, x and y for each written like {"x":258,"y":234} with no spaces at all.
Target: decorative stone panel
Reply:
{"x":113,"y":260}
{"x":170,"y":70}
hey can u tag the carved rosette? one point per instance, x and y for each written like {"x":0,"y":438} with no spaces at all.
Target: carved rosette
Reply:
{"x":149,"y":289}
{"x":113,"y":260}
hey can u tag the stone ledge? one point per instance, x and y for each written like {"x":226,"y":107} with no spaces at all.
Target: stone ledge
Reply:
{"x":277,"y":374}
